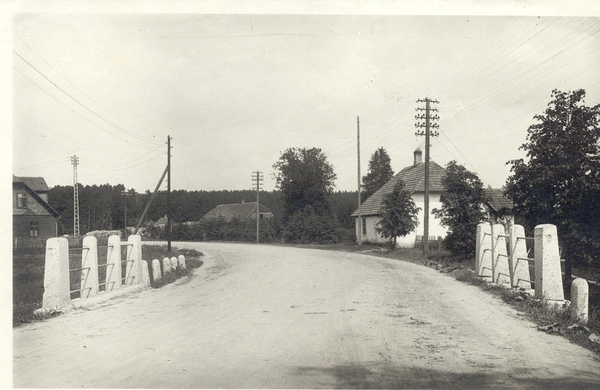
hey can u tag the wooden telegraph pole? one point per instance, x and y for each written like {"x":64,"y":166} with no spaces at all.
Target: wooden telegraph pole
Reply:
{"x":428,"y":125}
{"x":359,"y":235}
{"x":258,"y":178}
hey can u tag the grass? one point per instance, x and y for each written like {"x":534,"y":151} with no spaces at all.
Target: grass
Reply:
{"x":28,"y":276}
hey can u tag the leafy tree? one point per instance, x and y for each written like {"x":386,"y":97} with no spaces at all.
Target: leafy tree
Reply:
{"x":462,"y":209}
{"x":560,"y":182}
{"x":380,"y":172}
{"x":398,"y":214}
{"x":305,"y":178}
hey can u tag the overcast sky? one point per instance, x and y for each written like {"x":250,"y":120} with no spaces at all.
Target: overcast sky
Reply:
{"x":235,"y":90}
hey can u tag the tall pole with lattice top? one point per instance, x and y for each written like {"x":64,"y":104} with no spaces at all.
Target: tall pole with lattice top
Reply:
{"x":75,"y":162}
{"x":428,"y":125}
{"x":257,"y":177}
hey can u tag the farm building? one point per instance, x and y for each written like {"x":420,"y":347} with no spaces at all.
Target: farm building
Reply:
{"x":238,"y":211}
{"x":34,"y":221}
{"x":413,"y":177}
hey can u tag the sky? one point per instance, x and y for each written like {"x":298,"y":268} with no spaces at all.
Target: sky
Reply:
{"x":235,"y":89}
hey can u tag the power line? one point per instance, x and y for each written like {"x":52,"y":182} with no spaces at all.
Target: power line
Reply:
{"x":81,"y":104}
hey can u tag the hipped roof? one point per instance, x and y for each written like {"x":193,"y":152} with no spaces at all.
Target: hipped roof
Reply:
{"x":239,"y":211}
{"x":38,"y":184}
{"x":414,"y":181}
{"x":496,"y":199}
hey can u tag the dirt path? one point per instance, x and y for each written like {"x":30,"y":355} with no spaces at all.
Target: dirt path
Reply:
{"x":272,"y":317}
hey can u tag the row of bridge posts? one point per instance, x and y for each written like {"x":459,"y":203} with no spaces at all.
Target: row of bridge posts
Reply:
{"x":503,"y":258}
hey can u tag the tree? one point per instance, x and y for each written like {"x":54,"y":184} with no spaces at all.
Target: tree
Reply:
{"x":560,"y":182}
{"x":305,"y":179}
{"x":380,"y":172}
{"x":462,"y":209}
{"x":398,"y":214}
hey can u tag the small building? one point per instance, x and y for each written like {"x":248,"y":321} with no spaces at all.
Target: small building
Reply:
{"x":162,"y":222}
{"x":34,"y":221}
{"x":237,"y":211}
{"x":413,"y":177}
{"x":498,"y":207}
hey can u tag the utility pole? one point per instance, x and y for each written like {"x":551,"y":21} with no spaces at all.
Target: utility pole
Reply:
{"x":360,"y":222}
{"x":125,"y":223}
{"x":168,"y":194}
{"x":428,"y":125}
{"x":75,"y":162}
{"x":257,"y":177}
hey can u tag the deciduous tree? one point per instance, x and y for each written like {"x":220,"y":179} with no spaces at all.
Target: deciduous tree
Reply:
{"x":462,"y":209}
{"x":398,"y":214}
{"x":560,"y":183}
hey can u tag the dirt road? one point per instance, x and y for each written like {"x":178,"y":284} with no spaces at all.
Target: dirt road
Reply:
{"x":272,"y":317}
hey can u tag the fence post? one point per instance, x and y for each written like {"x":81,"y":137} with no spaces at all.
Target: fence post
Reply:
{"x":133,"y":272}
{"x":56,"y":274}
{"x":156,"y":272}
{"x":548,"y":273}
{"x":166,"y":263}
{"x":518,"y":250}
{"x":181,"y":261}
{"x":501,"y":268}
{"x":145,"y":279}
{"x":483,"y":256}
{"x":579,"y":300}
{"x":113,"y":264}
{"x":173,"y":263}
{"x":89,"y":258}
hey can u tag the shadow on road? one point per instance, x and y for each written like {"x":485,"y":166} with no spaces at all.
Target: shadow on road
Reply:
{"x":385,"y":376}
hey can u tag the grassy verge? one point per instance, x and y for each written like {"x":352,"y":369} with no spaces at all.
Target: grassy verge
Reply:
{"x":550,"y":318}
{"x":28,"y":277}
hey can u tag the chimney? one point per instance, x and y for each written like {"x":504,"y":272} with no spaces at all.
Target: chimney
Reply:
{"x":418,"y":157}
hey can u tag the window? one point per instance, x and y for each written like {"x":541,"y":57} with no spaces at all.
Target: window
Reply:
{"x":364,"y":226}
{"x":22,"y":200}
{"x":33,"y":229}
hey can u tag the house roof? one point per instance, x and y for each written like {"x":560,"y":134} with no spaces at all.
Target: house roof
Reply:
{"x":496,"y":199}
{"x":38,"y":184}
{"x":414,"y":181}
{"x":240,"y":211}
{"x":20,"y":184}
{"x":161,"y":221}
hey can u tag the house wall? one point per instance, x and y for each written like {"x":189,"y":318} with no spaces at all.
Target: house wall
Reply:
{"x":33,"y":206}
{"x":46,"y":225}
{"x":435,"y":228}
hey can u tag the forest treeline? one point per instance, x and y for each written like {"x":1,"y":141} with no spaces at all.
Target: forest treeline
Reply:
{"x":105,"y":207}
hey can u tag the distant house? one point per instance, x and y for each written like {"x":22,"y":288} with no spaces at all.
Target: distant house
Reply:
{"x":162,"y":222}
{"x":414,"y":181}
{"x":498,"y":207}
{"x":34,"y":221}
{"x":237,"y":211}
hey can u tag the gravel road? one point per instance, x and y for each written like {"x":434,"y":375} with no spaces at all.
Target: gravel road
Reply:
{"x":258,"y":316}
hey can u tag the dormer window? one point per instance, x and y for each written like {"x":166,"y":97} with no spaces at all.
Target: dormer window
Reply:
{"x":21,"y":200}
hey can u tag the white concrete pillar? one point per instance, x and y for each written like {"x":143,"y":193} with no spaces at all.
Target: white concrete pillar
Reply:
{"x":134,"y":253}
{"x":173,"y":263}
{"x":113,"y":263}
{"x":548,"y":273}
{"x":89,"y":260}
{"x":181,"y":261}
{"x":145,"y":279}
{"x":56,"y":274}
{"x":156,"y":272}
{"x":518,"y":254}
{"x":483,"y":255}
{"x":579,"y":300}
{"x":501,"y":268}
{"x":166,"y":263}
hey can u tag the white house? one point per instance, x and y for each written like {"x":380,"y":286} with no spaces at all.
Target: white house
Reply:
{"x":414,"y":181}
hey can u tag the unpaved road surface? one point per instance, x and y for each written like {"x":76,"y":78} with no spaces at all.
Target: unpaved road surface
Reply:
{"x":257,"y":316}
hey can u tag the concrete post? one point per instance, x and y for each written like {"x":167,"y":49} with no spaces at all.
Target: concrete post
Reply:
{"x":173,"y":263}
{"x":548,"y":273}
{"x":89,"y":259}
{"x":166,"y":266}
{"x":579,"y":300}
{"x":518,"y":252}
{"x":501,"y":268}
{"x":181,"y":261}
{"x":134,"y":253}
{"x":113,"y":264}
{"x":483,"y":258}
{"x":156,"y":273}
{"x":145,"y":279}
{"x":56,"y":274}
